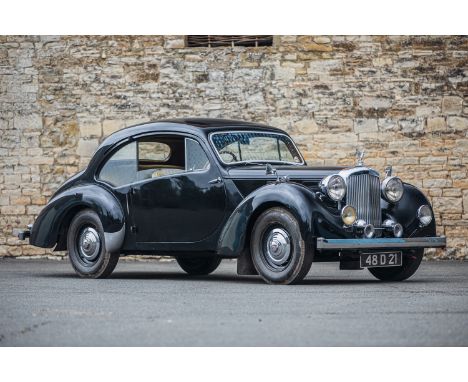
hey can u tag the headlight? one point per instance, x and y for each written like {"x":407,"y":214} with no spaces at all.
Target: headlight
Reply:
{"x":348,"y":215}
{"x":392,"y":189}
{"x":425,"y":215}
{"x":334,"y":186}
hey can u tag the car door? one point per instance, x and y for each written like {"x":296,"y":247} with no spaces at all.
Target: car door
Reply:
{"x":179,"y":196}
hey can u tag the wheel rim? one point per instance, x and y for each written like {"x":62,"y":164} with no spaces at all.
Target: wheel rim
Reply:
{"x":88,"y":244}
{"x":277,"y":248}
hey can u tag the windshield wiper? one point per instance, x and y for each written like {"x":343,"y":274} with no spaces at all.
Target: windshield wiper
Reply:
{"x":262,"y":163}
{"x":248,"y":163}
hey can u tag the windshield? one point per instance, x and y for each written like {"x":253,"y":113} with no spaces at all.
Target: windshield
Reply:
{"x":254,"y":146}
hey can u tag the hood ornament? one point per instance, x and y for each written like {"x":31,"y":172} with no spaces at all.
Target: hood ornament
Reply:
{"x":360,"y":157}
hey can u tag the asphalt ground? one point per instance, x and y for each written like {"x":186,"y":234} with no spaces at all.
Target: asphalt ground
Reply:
{"x":43,"y":303}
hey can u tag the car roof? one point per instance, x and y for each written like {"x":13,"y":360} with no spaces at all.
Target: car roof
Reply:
{"x":216,"y":123}
{"x":198,"y":126}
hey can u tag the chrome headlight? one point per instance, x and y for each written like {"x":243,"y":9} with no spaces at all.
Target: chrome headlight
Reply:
{"x":424,"y":215}
{"x":334,"y":186}
{"x":392,"y":189}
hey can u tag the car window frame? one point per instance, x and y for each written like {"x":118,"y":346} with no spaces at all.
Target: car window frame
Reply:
{"x":210,"y":138}
{"x":135,"y":139}
{"x":185,"y":156}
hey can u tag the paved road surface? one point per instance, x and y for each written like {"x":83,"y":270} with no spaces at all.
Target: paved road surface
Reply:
{"x":151,"y":303}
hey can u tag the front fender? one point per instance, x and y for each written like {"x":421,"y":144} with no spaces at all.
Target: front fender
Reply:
{"x":296,"y":198}
{"x":405,"y":212}
{"x":61,"y":208}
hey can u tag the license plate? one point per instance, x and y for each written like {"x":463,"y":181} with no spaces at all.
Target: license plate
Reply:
{"x":381,"y":259}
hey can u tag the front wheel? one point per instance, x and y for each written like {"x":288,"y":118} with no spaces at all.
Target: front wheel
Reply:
{"x":279,"y":252}
{"x":411,"y":261}
{"x":199,"y":265}
{"x":86,"y":247}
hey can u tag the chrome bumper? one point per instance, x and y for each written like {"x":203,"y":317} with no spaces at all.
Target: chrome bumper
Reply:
{"x":411,"y":242}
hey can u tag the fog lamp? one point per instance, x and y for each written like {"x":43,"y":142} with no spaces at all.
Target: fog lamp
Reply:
{"x":348,"y":215}
{"x":424,"y":215}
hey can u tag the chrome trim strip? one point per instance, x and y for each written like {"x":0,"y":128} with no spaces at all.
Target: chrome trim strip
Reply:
{"x":411,"y":242}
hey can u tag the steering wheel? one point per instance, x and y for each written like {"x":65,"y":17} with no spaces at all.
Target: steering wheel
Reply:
{"x":234,"y":158}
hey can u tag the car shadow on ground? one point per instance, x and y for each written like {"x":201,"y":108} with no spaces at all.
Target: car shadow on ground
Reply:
{"x":154,"y":275}
{"x":145,"y":275}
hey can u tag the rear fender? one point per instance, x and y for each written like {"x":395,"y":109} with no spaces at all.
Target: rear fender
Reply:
{"x":54,"y":219}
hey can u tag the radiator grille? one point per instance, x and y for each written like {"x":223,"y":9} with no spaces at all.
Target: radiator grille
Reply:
{"x":363,"y":193}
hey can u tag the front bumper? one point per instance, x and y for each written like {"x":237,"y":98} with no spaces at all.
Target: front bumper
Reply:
{"x":379,"y":243}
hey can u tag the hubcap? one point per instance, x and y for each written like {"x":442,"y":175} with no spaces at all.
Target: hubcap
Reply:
{"x":89,"y":244}
{"x":278,"y":247}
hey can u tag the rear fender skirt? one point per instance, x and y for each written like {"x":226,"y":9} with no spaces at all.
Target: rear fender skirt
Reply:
{"x":48,"y":225}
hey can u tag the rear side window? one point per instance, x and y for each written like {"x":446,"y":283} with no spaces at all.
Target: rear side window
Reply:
{"x":121,"y":168}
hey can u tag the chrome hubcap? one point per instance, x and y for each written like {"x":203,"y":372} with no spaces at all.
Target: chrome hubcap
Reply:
{"x":89,"y":244}
{"x":278,"y":247}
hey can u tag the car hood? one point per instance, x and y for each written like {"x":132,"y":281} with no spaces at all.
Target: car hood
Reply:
{"x":249,"y":178}
{"x":293,"y":172}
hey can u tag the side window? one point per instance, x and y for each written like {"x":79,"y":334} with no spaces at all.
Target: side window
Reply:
{"x":285,"y":153}
{"x":195,"y":157}
{"x":153,"y":157}
{"x":121,"y":167}
{"x":153,"y":151}
{"x":160,"y":156}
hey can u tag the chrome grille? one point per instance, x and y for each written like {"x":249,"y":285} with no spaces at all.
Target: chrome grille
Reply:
{"x":363,"y":193}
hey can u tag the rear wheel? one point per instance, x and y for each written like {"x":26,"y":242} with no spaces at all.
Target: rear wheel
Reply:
{"x":411,"y":261}
{"x":279,"y":252}
{"x":86,"y":247}
{"x":199,"y":265}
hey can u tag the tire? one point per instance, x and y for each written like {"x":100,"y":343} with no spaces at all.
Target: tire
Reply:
{"x":199,"y":265}
{"x":411,"y":261}
{"x":279,"y":252}
{"x":86,"y":247}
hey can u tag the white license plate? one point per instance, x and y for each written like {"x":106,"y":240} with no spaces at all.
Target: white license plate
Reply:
{"x":381,"y":259}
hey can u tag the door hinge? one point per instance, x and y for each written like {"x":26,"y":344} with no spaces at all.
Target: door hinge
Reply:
{"x":133,"y":229}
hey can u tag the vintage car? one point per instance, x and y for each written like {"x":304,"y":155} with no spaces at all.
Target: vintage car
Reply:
{"x":206,"y":189}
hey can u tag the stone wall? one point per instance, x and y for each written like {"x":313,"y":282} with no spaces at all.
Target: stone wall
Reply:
{"x":403,"y":99}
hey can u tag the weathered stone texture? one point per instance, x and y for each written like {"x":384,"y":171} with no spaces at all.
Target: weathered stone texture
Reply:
{"x":403,"y":99}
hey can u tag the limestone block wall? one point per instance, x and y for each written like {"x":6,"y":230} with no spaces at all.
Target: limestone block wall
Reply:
{"x":404,"y":99}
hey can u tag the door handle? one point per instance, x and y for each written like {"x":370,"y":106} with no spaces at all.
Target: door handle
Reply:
{"x":216,"y":180}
